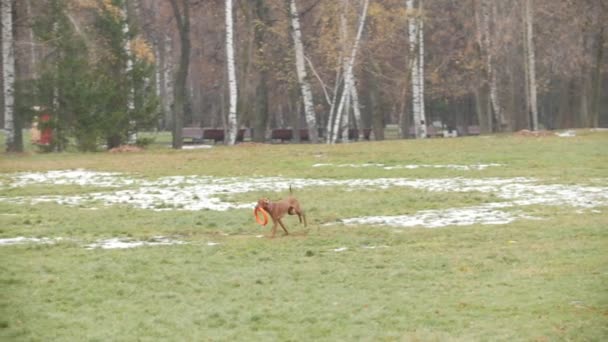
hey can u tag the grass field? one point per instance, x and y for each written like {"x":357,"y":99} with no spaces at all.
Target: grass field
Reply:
{"x":431,"y":263}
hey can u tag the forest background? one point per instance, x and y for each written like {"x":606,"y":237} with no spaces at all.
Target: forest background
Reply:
{"x":106,"y":69}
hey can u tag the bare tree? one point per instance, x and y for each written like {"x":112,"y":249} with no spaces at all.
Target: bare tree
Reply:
{"x":182,"y":19}
{"x":232,"y":120}
{"x":530,"y":65}
{"x":309,"y":110}
{"x":416,"y":37}
{"x":349,"y":84}
{"x":8,"y":72}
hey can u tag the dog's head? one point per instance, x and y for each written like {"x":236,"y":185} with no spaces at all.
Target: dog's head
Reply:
{"x":263,"y":203}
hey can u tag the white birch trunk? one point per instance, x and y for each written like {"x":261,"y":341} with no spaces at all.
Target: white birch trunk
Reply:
{"x":531,"y":64}
{"x":356,"y":108}
{"x":167,"y":69}
{"x":132,"y":136}
{"x":493,"y":84}
{"x":423,"y":123}
{"x":414,"y":38}
{"x":346,"y":117}
{"x":309,"y":109}
{"x":332,"y":109}
{"x":348,"y":73}
{"x":232,"y":121}
{"x":8,"y":71}
{"x":334,"y":121}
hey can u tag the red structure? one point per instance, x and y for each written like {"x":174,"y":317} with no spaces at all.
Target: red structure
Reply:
{"x":46,"y":131}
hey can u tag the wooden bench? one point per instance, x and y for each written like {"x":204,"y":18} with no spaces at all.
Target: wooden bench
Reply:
{"x":199,"y":135}
{"x":286,"y":134}
{"x":353,"y":133}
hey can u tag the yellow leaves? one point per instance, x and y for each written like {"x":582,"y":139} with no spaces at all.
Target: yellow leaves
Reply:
{"x":86,"y":4}
{"x":141,"y":50}
{"x":375,"y":9}
{"x":100,"y":5}
{"x":114,"y":11}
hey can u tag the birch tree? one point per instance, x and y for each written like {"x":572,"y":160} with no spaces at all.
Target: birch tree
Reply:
{"x":232,"y":119}
{"x":8,"y":71}
{"x":349,"y":79}
{"x":309,"y":110}
{"x":417,"y":68}
{"x":132,"y":136}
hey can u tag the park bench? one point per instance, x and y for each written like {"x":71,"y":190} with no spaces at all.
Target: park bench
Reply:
{"x":286,"y":134}
{"x":199,"y":135}
{"x":353,"y":134}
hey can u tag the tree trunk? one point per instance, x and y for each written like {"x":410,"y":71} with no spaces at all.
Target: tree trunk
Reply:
{"x":232,"y":118}
{"x":597,"y":82}
{"x":481,"y":92}
{"x":183,"y":26}
{"x":349,"y":78}
{"x":416,"y":58}
{"x":423,"y":121}
{"x":261,"y":93}
{"x":8,"y":72}
{"x":354,"y":95}
{"x":375,"y":105}
{"x":531,"y":64}
{"x":132,"y":136}
{"x":309,"y":109}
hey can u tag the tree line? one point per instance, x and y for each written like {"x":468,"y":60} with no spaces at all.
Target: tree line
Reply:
{"x":106,"y":69}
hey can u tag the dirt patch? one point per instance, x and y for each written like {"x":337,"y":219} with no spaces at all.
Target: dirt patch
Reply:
{"x":528,"y":133}
{"x":125,"y":148}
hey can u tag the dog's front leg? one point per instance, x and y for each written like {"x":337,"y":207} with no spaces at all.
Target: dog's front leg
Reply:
{"x":274,"y":229}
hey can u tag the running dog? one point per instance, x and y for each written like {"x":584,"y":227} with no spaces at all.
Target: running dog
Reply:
{"x":278,"y":209}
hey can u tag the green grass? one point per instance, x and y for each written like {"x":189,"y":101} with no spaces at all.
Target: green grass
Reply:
{"x":541,"y":280}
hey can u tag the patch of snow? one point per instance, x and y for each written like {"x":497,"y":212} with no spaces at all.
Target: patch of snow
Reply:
{"x":196,"y":147}
{"x":123,"y":243}
{"x":412,"y":166}
{"x":25,"y":240}
{"x":485,"y":215}
{"x":205,"y":192}
{"x":71,"y":177}
{"x":373,"y":247}
{"x":566,"y":134}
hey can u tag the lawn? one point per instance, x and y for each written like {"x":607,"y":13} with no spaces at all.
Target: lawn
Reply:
{"x":479,"y":238}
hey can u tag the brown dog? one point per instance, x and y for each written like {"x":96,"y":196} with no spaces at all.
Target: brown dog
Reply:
{"x":278,"y":209}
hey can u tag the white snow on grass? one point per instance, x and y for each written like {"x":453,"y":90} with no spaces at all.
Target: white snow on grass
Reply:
{"x":71,"y":177}
{"x":20,"y":240}
{"x":205,"y":193}
{"x":485,"y":215}
{"x":111,"y":243}
{"x":412,"y":166}
{"x":123,"y":243}
{"x":196,"y":147}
